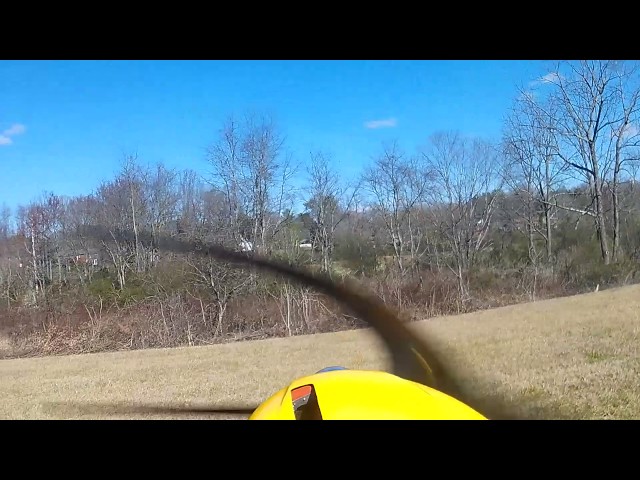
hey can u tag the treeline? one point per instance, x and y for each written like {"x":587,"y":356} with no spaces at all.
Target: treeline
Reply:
{"x":459,"y":225}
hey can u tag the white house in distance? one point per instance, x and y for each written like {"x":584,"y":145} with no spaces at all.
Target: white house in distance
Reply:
{"x":245,"y":245}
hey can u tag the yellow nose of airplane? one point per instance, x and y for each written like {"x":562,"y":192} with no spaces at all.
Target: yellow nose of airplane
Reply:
{"x":337,"y":393}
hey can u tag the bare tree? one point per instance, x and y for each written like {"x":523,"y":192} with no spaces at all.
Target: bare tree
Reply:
{"x":252,"y":168}
{"x":328,"y":204}
{"x":627,"y":139}
{"x":222,"y":281}
{"x":592,"y":122}
{"x":397,"y":184}
{"x":121,"y":206}
{"x":268,"y":171}
{"x":463,"y":194}
{"x":5,"y":222}
{"x":161,"y":191}
{"x":7,"y":262}
{"x":131,"y":177}
{"x":78,"y":212}
{"x":225,"y":157}
{"x":190,"y":213}
{"x":38,"y":225}
{"x":533,"y":170}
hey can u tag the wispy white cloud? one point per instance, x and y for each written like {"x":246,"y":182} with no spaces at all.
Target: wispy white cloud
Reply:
{"x":15,"y":129}
{"x":551,"y":77}
{"x":631,"y":130}
{"x":386,"y":123}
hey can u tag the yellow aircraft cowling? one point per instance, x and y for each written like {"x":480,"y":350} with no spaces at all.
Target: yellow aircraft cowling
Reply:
{"x":361,"y":395}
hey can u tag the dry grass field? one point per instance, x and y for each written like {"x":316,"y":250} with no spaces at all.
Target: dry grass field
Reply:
{"x":573,"y":357}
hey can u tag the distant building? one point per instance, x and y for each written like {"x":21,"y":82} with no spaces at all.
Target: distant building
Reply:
{"x":91,"y":258}
{"x":245,"y":246}
{"x":84,"y":259}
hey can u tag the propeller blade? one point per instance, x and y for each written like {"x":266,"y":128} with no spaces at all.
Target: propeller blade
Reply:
{"x":416,"y":359}
{"x":128,"y":409}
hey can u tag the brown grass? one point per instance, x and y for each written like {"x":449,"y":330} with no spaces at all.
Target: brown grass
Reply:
{"x":573,"y":356}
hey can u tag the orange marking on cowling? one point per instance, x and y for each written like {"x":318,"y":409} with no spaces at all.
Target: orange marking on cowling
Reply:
{"x":300,"y":392}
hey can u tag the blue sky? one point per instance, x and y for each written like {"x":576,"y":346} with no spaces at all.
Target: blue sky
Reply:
{"x":65,"y":125}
